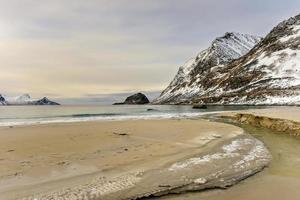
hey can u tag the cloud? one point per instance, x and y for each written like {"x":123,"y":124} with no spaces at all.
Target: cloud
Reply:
{"x":74,"y":47}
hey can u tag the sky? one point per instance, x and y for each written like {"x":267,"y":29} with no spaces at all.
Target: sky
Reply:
{"x":76,"y":48}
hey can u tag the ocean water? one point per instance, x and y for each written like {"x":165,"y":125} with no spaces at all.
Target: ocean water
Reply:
{"x":26,"y":115}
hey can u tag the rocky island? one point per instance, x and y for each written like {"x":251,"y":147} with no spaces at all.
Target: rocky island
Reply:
{"x":138,"y":98}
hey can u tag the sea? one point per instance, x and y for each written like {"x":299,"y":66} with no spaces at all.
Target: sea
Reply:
{"x":30,"y":115}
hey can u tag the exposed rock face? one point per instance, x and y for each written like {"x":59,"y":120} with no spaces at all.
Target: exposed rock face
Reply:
{"x":44,"y":101}
{"x":191,"y":78}
{"x":268,"y":74}
{"x":137,"y":98}
{"x":2,"y":100}
{"x":280,"y":125}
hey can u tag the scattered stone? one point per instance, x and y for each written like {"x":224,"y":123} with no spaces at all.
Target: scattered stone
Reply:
{"x":164,"y":185}
{"x":121,"y":134}
{"x":62,"y":163}
{"x":151,"y":109}
{"x":199,"y":106}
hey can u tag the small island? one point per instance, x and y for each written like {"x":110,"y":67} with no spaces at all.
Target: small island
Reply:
{"x":137,"y":99}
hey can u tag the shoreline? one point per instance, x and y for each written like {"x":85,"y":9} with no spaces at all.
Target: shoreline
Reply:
{"x":42,"y":159}
{"x":168,"y":116}
{"x":284,"y":119}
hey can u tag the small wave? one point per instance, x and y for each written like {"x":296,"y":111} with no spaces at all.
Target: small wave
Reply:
{"x":104,"y":117}
{"x":66,"y":116}
{"x":96,"y":115}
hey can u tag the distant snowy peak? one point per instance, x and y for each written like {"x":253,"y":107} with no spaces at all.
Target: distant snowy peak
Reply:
{"x":44,"y":101}
{"x":225,"y":49}
{"x":24,"y":99}
{"x":231,"y":46}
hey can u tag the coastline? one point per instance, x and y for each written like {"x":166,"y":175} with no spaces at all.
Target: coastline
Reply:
{"x":282,"y":119}
{"x":40,"y":160}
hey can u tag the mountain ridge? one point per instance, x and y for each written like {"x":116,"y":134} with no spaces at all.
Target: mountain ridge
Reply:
{"x":222,"y":50}
{"x":268,"y":74}
{"x":24,"y":99}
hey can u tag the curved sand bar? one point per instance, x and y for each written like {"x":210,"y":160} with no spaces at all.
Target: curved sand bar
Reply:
{"x":125,"y":159}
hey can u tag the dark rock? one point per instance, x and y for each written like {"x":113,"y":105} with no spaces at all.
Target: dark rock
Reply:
{"x":121,"y":103}
{"x":199,"y":106}
{"x":137,"y":98}
{"x":2,"y":99}
{"x":121,"y":134}
{"x":151,"y":109}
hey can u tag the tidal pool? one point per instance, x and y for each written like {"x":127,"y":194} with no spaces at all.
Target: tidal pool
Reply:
{"x":281,"y":180}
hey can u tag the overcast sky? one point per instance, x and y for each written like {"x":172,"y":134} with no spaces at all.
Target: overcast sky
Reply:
{"x":77,"y":48}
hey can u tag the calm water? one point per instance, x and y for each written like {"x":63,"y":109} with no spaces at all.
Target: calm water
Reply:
{"x":23,"y":115}
{"x":281,"y":180}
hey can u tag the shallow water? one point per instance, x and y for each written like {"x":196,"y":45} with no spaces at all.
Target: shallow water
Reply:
{"x":281,"y":180}
{"x":25,"y":115}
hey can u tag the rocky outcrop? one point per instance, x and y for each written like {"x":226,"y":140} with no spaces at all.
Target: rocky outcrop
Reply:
{"x":269,"y":74}
{"x":281,"y":125}
{"x":2,"y":100}
{"x":191,"y":79}
{"x":137,"y":98}
{"x":44,"y":101}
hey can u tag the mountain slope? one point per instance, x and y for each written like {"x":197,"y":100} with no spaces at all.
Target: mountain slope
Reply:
{"x":188,"y":82}
{"x":268,"y":74}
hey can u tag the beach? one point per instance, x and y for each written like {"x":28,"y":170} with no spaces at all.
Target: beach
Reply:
{"x":42,"y":159}
{"x":277,"y":127}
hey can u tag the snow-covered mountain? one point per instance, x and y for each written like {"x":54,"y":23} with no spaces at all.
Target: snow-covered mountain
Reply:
{"x":24,"y":99}
{"x":268,"y":74}
{"x":188,"y":82}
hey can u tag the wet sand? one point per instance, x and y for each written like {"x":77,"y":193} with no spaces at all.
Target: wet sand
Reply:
{"x":42,"y":158}
{"x":280,"y":180}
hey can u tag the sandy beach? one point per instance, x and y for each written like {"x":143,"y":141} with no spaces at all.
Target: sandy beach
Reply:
{"x":44,"y":158}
